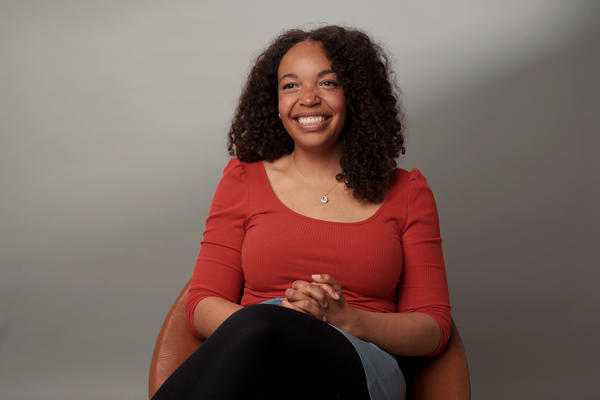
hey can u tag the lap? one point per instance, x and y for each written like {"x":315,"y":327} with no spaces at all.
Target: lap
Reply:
{"x":274,"y":352}
{"x":383,"y":376}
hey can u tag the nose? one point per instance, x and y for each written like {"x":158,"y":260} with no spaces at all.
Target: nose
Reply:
{"x":310,"y":96}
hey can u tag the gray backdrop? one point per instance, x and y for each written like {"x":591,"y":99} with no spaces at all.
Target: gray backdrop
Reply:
{"x":113,"y":117}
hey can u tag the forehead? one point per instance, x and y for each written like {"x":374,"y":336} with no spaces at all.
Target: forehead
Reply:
{"x":307,"y":56}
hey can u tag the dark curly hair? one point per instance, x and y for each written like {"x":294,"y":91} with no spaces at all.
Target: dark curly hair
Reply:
{"x":372,"y":133}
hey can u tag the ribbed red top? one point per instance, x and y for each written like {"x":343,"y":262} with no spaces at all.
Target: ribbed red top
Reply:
{"x":254,"y":247}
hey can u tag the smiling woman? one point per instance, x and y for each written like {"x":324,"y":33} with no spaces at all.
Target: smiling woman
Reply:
{"x":312,"y":106}
{"x":319,"y":254}
{"x":372,"y":133}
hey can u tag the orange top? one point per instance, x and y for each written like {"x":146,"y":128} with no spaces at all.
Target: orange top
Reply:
{"x":254,"y":247}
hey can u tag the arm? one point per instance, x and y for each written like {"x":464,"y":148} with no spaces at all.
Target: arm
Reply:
{"x":218,"y":279}
{"x":423,"y":286}
{"x":405,"y":334}
{"x":210,"y":313}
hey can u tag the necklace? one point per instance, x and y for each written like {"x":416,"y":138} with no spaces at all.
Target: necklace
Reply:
{"x":324,"y":198}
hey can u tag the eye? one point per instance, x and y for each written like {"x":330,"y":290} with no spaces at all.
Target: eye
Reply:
{"x":289,"y":85}
{"x":329,"y":83}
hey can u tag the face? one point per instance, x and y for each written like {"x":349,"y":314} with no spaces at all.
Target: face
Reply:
{"x":311,"y":101}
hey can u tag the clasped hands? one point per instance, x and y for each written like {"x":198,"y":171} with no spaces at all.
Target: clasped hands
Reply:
{"x":322,"y":298}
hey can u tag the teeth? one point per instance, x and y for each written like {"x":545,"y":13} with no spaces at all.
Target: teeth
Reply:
{"x":311,"y":120}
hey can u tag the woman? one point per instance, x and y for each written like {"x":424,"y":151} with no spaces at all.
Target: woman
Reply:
{"x":314,"y":219}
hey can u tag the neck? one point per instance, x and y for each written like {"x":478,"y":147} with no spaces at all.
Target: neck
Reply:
{"x":318,"y":167}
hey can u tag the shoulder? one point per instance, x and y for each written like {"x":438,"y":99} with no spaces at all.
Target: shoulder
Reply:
{"x":418,"y":194}
{"x":233,"y":178}
{"x":237,"y":168}
{"x":409,"y":180}
{"x":246,"y":173}
{"x":409,"y":188}
{"x":234,"y":166}
{"x":412,"y":175}
{"x":406,"y":179}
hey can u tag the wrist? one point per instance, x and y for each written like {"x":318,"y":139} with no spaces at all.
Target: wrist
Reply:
{"x":352,"y":322}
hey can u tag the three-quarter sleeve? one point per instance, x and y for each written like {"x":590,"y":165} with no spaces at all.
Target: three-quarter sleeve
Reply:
{"x":424,"y":286}
{"x":218,"y":271}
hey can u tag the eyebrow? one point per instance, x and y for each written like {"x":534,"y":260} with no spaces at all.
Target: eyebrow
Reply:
{"x":320,"y":74}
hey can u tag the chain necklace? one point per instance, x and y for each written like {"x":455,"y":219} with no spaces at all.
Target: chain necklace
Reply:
{"x":324,"y":198}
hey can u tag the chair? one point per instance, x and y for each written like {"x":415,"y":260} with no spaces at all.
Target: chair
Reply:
{"x":445,"y":376}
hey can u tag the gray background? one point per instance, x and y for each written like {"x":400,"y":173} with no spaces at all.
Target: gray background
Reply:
{"x":113,"y":117}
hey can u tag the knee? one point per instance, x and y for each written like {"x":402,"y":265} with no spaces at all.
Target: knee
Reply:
{"x":255,"y":325}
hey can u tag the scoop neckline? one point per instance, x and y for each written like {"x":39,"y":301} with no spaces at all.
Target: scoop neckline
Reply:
{"x":288,"y":209}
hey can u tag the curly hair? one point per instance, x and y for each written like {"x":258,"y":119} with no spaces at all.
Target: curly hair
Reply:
{"x":372,"y":134}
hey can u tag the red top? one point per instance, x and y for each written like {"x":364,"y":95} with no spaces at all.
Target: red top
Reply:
{"x":254,"y":247}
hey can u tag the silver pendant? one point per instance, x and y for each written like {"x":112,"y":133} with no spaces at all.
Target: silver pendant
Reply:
{"x":324,"y":199}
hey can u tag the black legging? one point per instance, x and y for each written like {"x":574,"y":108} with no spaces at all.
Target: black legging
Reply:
{"x":266,"y":351}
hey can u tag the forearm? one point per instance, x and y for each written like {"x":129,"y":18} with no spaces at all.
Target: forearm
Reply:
{"x":210,"y":313}
{"x":404,"y":334}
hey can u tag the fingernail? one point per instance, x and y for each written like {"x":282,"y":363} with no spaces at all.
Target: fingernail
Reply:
{"x":316,"y":276}
{"x":324,"y":318}
{"x":336,"y":295}
{"x":325,"y":304}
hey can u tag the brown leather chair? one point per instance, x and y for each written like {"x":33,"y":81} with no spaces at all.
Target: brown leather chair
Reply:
{"x":445,"y":376}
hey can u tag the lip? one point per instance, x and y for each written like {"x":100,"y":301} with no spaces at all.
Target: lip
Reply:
{"x":311,"y":114}
{"x":312,"y":127}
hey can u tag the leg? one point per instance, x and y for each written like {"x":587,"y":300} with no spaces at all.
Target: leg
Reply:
{"x":267,"y":351}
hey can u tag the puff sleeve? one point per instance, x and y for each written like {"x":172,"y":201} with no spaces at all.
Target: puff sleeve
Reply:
{"x":423,"y":285}
{"x":218,"y":271}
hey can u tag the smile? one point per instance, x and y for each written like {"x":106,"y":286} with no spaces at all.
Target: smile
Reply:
{"x":312,"y":121}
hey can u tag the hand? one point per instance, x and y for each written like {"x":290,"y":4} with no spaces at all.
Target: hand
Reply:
{"x":339,"y":313}
{"x":323,"y":298}
{"x":307,"y":297}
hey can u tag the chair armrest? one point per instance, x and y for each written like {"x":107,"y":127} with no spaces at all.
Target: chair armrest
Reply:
{"x":175,"y":343}
{"x":443,"y":377}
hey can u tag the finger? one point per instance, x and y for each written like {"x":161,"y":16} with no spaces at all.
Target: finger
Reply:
{"x":328,"y":279}
{"x":293,"y":295}
{"x":306,"y":306}
{"x":316,"y":292}
{"x":298,"y":284}
{"x":287,"y":304}
{"x":330,"y":291}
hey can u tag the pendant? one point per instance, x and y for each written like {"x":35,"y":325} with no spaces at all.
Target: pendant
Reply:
{"x":324,"y":199}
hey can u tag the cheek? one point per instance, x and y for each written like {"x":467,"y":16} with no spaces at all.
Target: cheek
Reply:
{"x":339,"y":103}
{"x":283,"y":108}
{"x":284,"y":104}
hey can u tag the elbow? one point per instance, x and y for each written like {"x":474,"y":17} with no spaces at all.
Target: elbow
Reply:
{"x":443,"y":320}
{"x":190,"y":307}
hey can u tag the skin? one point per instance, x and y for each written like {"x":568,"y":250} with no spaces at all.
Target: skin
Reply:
{"x":307,"y":86}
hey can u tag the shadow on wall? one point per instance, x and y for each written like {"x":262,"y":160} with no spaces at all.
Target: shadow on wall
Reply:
{"x":510,"y":164}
